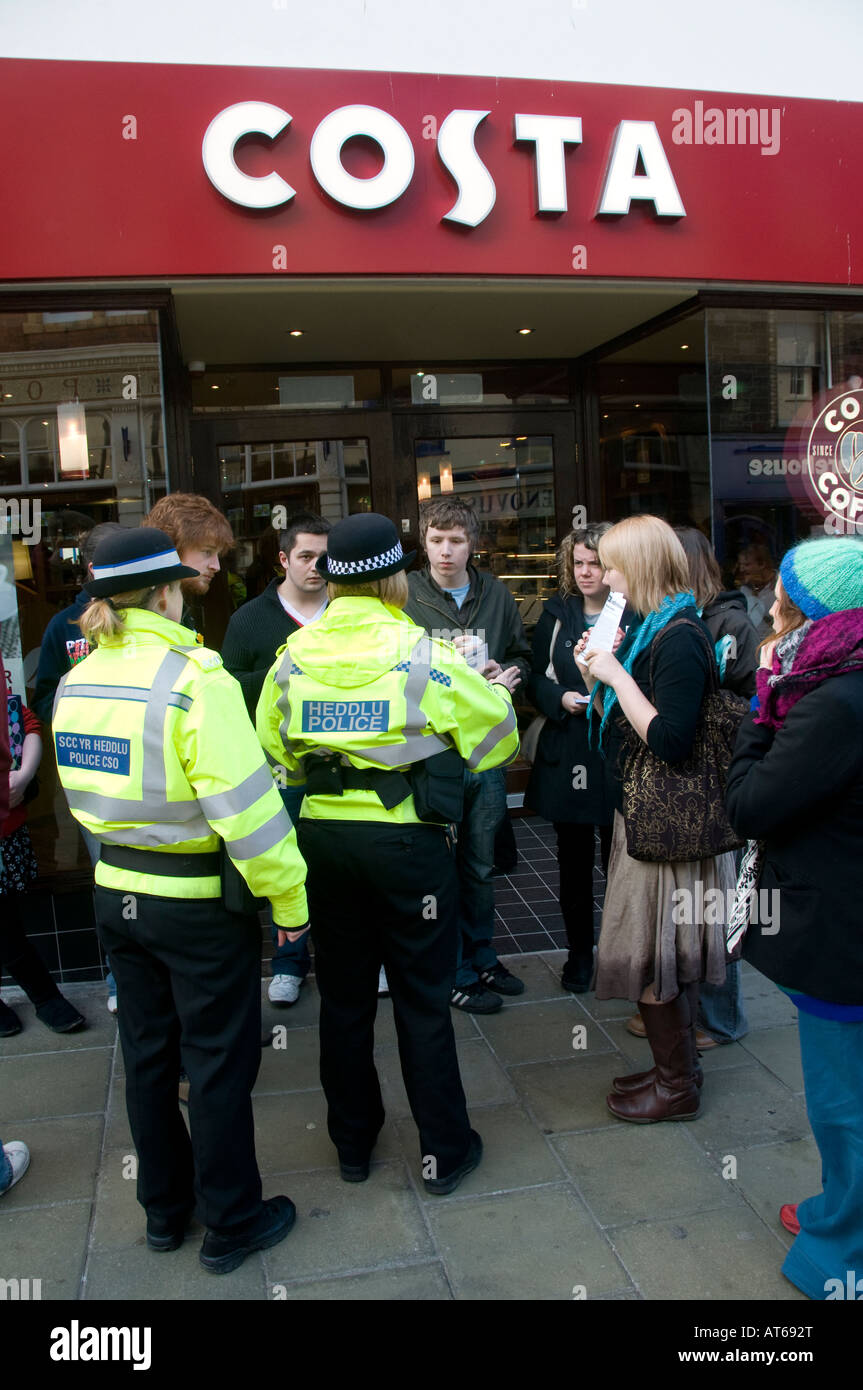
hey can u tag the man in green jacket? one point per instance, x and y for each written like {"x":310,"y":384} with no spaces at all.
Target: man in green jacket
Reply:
{"x":455,"y":602}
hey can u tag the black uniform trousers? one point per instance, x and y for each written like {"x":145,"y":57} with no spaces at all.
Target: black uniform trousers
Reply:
{"x":576,"y":850}
{"x":386,"y":894}
{"x":189,"y":994}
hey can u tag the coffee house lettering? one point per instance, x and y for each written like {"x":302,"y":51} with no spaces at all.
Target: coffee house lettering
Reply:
{"x":634,"y":144}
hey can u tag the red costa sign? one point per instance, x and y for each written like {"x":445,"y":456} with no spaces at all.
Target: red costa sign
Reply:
{"x":163,"y":170}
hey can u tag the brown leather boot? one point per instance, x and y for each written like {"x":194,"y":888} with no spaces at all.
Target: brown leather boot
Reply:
{"x":636,"y":1079}
{"x":673,"y":1092}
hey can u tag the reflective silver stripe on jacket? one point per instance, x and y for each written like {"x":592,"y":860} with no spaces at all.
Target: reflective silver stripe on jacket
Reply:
{"x":139,"y":693}
{"x":240,"y":798}
{"x":271,"y":833}
{"x":162,"y":833}
{"x":493,"y":738}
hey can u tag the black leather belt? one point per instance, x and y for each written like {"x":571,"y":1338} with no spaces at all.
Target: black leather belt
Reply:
{"x":327,"y":777}
{"x":161,"y":864}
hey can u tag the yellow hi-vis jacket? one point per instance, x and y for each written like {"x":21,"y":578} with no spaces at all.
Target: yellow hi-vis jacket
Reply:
{"x":367,"y":683}
{"x":155,"y":751}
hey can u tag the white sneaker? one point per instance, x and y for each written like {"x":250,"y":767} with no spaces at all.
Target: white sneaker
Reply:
{"x":19,"y":1156}
{"x":383,"y":987}
{"x":112,"y":1003}
{"x":284,"y":989}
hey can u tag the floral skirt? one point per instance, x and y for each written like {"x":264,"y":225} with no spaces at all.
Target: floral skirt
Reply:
{"x":19,"y":862}
{"x":650,"y":930}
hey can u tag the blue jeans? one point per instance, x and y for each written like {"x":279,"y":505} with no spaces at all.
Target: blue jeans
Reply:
{"x":721,"y":1010}
{"x":830,"y":1243}
{"x":484,"y":809}
{"x":94,"y":849}
{"x":5,"y":1171}
{"x":293,"y":958}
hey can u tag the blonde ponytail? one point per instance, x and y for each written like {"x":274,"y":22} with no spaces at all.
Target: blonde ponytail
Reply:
{"x":102,"y":619}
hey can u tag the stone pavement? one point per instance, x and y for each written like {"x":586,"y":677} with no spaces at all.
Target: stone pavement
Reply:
{"x":568,"y":1201}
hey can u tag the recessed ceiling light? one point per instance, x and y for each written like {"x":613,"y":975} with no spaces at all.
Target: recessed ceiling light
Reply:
{"x":524,"y":331}
{"x":605,"y":417}
{"x":521,"y":439}
{"x":7,"y":395}
{"x":637,"y":405}
{"x":214,"y":388}
{"x":296,"y":332}
{"x":684,"y":347}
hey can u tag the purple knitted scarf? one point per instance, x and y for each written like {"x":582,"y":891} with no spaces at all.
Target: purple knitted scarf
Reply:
{"x":813,"y":653}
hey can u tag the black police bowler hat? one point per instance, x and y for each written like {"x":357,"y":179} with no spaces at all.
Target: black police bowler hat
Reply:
{"x":135,"y":559}
{"x":363,"y":547}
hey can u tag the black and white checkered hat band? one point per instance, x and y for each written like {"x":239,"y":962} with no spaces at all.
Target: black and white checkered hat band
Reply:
{"x":371,"y":562}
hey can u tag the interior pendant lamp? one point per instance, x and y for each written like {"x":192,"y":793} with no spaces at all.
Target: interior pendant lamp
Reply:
{"x":72,"y":438}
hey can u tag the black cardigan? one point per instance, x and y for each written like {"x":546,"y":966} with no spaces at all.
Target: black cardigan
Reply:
{"x":680,"y":675}
{"x":800,"y":789}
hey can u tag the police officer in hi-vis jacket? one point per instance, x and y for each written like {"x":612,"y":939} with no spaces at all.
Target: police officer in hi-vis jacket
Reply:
{"x":379,"y":721}
{"x":159,"y":762}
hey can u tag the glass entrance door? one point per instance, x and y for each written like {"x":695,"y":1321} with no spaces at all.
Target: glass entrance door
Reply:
{"x":263,"y":471}
{"x":521,"y":476}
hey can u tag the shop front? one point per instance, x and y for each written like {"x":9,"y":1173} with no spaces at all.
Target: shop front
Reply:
{"x":338,"y":292}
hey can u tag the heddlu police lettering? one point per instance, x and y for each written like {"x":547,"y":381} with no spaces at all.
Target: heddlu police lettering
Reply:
{"x":346,"y":716}
{"x":91,"y":750}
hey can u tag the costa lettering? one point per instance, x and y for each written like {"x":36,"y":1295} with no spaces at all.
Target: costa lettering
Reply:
{"x":635,"y":143}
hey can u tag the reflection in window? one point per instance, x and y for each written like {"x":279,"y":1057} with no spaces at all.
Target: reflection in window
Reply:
{"x":266,"y":483}
{"x":510,"y":483}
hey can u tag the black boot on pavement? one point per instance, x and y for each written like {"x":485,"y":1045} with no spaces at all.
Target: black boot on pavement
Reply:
{"x":222,"y":1253}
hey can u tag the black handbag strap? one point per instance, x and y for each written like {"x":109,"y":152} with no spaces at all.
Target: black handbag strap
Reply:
{"x":713,"y":670}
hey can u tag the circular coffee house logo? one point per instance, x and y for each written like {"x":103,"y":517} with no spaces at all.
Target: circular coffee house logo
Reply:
{"x":833,"y":466}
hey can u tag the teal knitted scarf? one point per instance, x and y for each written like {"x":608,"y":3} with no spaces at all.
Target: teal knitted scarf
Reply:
{"x":635,"y":642}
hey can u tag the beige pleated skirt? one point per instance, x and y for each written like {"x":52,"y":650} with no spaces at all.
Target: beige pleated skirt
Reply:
{"x":650,"y":933}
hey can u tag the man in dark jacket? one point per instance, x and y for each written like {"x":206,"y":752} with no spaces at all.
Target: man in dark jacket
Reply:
{"x":260,"y":627}
{"x":255,"y":633}
{"x":476,"y":612}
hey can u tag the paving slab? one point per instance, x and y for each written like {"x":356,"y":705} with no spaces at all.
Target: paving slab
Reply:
{"x":294,"y":1066}
{"x":49,"y":1084}
{"x":35,"y":1037}
{"x":291,"y":1134}
{"x":117,"y":1131}
{"x":778,"y":1049}
{"x":45,"y":1243}
{"x":641,"y":1172}
{"x":515,"y":1154}
{"x":539,"y":979}
{"x":744,"y":1106}
{"x":64,"y":1161}
{"x":774,"y":1174}
{"x":568,"y":1095}
{"x":715,"y":1255}
{"x":542,"y":1031}
{"x":539,"y":1244}
{"x":408,"y":1283}
{"x":176,"y":1276}
{"x":766,"y":1005}
{"x":343,"y":1227}
{"x":118,"y":1218}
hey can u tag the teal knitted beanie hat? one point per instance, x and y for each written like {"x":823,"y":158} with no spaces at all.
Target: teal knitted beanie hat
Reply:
{"x":824,"y":576}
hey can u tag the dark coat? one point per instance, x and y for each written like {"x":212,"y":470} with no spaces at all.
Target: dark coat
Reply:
{"x":800,"y":789}
{"x":62,"y":645}
{"x":727,"y":616}
{"x":489,"y":611}
{"x":563,"y":741}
